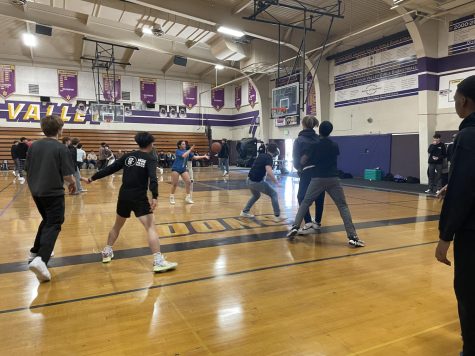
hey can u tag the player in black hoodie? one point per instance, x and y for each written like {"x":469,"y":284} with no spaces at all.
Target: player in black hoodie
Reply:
{"x":457,"y":218}
{"x":437,"y":153}
{"x":306,"y":172}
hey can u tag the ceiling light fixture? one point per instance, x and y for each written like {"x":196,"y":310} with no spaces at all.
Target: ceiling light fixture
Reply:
{"x":230,"y":31}
{"x":219,"y":66}
{"x":29,"y":39}
{"x":147,"y":30}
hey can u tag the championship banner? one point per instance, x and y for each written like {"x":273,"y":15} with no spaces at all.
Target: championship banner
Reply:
{"x":190,"y":94}
{"x":217,"y":98}
{"x":237,"y":97}
{"x":68,"y":84}
{"x":148,"y":90}
{"x":7,"y":80}
{"x":462,"y":35}
{"x":252,"y":95}
{"x":311,"y":106}
{"x":110,"y":89}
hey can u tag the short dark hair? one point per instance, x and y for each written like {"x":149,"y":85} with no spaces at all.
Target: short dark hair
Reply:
{"x":178,"y":143}
{"x":326,"y":128}
{"x":75,"y":141}
{"x":261,"y":149}
{"x":144,"y":139}
{"x":103,"y":144}
{"x":15,"y":141}
{"x":467,"y":87}
{"x":79,"y":145}
{"x":65,"y":139}
{"x":50,"y":125}
{"x":437,"y":135}
{"x":22,"y":139}
{"x":271,"y":148}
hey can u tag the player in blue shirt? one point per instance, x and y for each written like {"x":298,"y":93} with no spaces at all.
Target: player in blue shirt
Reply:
{"x":179,"y":168}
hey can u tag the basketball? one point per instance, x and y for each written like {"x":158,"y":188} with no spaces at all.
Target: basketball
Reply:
{"x":215,"y":147}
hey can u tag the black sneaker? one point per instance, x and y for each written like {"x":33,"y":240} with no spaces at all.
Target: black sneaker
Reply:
{"x":293,"y":232}
{"x":355,"y":241}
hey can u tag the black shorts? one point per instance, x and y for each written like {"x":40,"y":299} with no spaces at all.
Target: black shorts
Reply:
{"x":179,"y":170}
{"x":140,"y":207}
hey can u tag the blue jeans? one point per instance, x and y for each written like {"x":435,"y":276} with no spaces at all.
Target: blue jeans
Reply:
{"x":224,"y":164}
{"x":261,"y":187}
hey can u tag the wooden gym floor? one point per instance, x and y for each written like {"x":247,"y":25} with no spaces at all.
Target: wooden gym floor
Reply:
{"x":240,"y":287}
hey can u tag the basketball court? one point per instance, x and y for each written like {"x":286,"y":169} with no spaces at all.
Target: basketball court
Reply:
{"x":241,"y":286}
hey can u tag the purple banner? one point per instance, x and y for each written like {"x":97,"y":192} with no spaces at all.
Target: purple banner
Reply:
{"x":110,"y":89}
{"x":252,"y":96}
{"x":190,"y":94}
{"x":217,"y":98}
{"x":7,"y":80}
{"x":67,"y":84}
{"x":148,"y":90}
{"x":311,"y":105}
{"x":237,"y":97}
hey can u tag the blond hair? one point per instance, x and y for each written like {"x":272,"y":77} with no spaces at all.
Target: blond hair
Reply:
{"x":309,"y":122}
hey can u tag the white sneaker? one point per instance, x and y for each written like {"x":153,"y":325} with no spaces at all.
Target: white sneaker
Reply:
{"x":307,"y":229}
{"x":437,"y":192}
{"x":225,"y":173}
{"x":188,"y":200}
{"x":246,"y":215}
{"x":277,"y":219}
{"x":107,"y":254}
{"x":38,"y":267}
{"x":160,"y":264}
{"x":161,"y":170}
{"x":428,"y":191}
{"x":172,"y":199}
{"x":14,"y":173}
{"x":21,"y":180}
{"x":83,"y":190}
{"x":32,"y":255}
{"x":317,"y":226}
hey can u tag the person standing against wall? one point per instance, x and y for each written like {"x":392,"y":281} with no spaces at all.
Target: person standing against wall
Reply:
{"x":223,"y":157}
{"x":457,"y":218}
{"x":21,"y":152}
{"x":437,"y":153}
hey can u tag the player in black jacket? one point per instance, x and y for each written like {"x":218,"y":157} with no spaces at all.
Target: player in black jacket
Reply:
{"x":457,"y":218}
{"x":140,"y":173}
{"x":437,"y":154}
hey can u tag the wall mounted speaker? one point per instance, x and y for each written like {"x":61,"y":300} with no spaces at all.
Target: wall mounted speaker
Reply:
{"x":43,"y":30}
{"x":180,"y":61}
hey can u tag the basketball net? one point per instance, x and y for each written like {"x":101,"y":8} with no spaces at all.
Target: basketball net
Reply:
{"x":278,"y":111}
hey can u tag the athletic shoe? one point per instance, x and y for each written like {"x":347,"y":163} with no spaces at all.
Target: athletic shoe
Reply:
{"x":14,"y":173}
{"x":246,"y":215}
{"x":107,"y":254}
{"x":437,"y":192}
{"x":224,"y":173}
{"x":160,"y":264}
{"x":355,"y":241}
{"x":172,"y":199}
{"x":21,"y":180}
{"x":293,"y":231}
{"x":38,"y":267}
{"x":83,"y":190}
{"x":307,"y":229}
{"x":32,"y":256}
{"x":188,"y":200}
{"x":277,"y":219}
{"x":428,"y":191}
{"x":317,"y":226}
{"x":161,"y":170}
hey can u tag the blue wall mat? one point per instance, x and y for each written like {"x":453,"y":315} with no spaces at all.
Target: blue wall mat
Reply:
{"x":360,"y":152}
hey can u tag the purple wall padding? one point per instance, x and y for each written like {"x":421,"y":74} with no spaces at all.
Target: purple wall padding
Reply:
{"x":360,"y":152}
{"x":405,"y":155}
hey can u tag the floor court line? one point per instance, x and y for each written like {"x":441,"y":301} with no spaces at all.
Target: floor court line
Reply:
{"x":207,"y":278}
{"x":12,"y":267}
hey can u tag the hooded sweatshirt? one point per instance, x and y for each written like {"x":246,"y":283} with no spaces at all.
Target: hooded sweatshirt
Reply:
{"x":302,"y":145}
{"x":458,"y":210}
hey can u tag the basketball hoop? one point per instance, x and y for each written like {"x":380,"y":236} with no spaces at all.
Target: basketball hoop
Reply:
{"x":278,"y":111}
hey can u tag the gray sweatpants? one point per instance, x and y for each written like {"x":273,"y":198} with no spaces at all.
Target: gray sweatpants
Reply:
{"x":262,"y":187}
{"x":333,"y":188}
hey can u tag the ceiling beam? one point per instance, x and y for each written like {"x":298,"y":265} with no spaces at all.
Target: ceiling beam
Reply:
{"x":167,"y":65}
{"x":242,"y":6}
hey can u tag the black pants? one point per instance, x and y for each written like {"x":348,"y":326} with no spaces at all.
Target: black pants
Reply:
{"x":52,"y":212}
{"x":102,"y":164}
{"x":305,"y":179}
{"x":464,"y":285}
{"x":435,"y":173}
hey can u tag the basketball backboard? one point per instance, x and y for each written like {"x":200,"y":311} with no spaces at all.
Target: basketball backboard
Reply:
{"x":286,"y":96}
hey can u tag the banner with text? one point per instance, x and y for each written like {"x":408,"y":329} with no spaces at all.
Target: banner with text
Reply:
{"x":111,"y":88}
{"x":7,"y":80}
{"x":252,"y":96}
{"x":237,"y":97}
{"x":217,"y":98}
{"x":190,"y":94}
{"x":382,"y":70}
{"x":68,"y":84}
{"x":462,"y":35}
{"x":148,"y":90}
